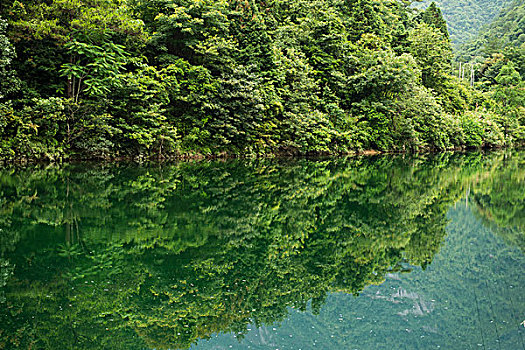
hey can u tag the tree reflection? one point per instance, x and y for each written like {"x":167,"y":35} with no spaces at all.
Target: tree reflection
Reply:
{"x":162,"y":256}
{"x":500,"y":200}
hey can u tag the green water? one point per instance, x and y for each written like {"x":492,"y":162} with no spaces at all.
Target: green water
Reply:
{"x":359,"y":253}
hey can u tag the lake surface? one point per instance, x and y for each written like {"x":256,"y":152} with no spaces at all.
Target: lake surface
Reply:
{"x":392,"y":252}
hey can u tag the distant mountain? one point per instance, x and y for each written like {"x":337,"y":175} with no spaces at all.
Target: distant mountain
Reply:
{"x":506,"y":30}
{"x":466,"y":17}
{"x":509,"y":26}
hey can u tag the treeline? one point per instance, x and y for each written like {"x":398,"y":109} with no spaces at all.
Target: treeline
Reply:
{"x":165,"y":78}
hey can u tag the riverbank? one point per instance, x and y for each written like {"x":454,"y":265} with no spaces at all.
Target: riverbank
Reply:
{"x":228,"y":156}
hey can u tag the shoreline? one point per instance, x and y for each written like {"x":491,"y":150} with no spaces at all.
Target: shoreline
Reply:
{"x":188,"y":157}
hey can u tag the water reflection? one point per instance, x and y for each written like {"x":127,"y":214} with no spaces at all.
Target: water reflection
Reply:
{"x":159,"y":257}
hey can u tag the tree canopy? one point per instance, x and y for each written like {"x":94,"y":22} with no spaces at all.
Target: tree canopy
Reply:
{"x":138,"y":79}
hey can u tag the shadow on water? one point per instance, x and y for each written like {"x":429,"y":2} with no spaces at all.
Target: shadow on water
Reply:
{"x":120,"y":256}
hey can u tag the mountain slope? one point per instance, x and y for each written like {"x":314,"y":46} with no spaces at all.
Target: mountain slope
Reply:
{"x":507,"y":30}
{"x":466,"y":17}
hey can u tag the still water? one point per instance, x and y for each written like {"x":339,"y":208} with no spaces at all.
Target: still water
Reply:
{"x":360,"y":253}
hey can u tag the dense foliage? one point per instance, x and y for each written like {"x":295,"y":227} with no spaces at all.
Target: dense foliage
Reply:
{"x":133,"y":78}
{"x":496,"y":60}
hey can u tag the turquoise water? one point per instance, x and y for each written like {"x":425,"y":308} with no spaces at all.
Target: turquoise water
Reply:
{"x":470,"y":297}
{"x":359,"y":253}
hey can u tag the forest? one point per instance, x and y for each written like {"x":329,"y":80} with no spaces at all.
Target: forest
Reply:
{"x":136,"y":79}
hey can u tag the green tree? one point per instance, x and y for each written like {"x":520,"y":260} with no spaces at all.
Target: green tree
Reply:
{"x":433,"y":17}
{"x":45,"y":34}
{"x":509,"y":93}
{"x":8,"y":80}
{"x":432,"y":52}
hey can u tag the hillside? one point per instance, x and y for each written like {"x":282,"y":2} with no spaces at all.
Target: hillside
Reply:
{"x":506,"y":30}
{"x":466,"y":17}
